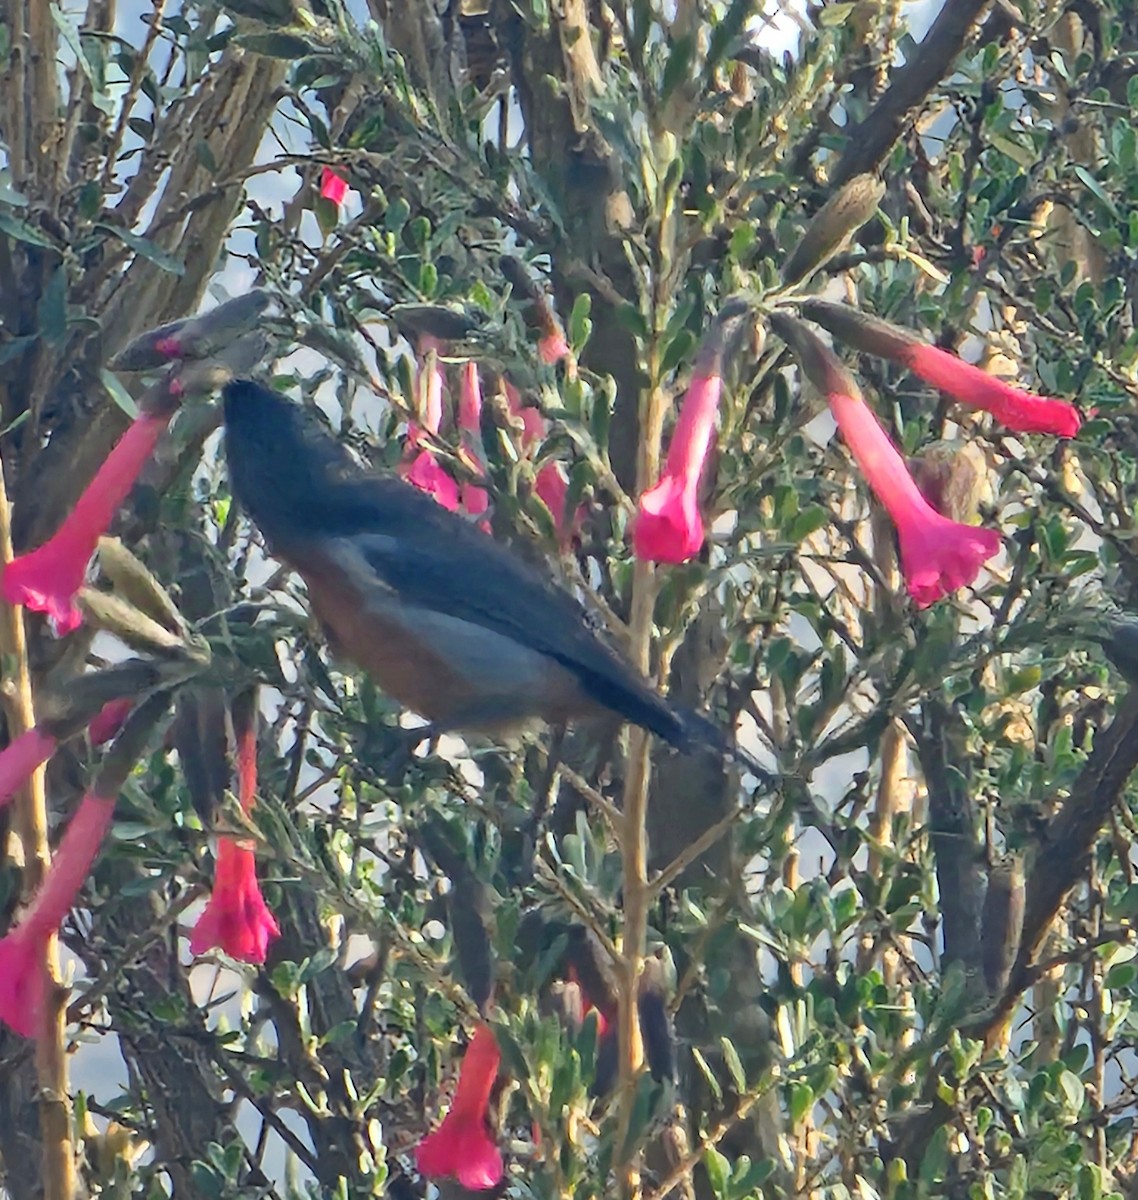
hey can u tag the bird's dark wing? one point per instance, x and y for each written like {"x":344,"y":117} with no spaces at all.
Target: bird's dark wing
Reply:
{"x":434,"y":559}
{"x":304,"y":492}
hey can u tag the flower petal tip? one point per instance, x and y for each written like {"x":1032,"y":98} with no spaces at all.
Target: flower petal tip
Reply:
{"x":667,"y":527}
{"x":236,"y":919}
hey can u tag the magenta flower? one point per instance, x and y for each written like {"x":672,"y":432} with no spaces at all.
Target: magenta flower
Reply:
{"x":462,"y":1147}
{"x":425,"y":473}
{"x":938,"y":556}
{"x":1017,"y":409}
{"x":20,"y":758}
{"x":550,"y":483}
{"x":475,"y":499}
{"x":22,"y":951}
{"x":333,"y":186}
{"x":236,"y":920}
{"x":47,"y":579}
{"x":533,"y":423}
{"x":552,"y":488}
{"x":422,"y":470}
{"x":667,"y":526}
{"x":109,"y":720}
{"x":552,"y":347}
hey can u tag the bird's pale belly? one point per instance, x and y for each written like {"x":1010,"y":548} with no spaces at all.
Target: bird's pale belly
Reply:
{"x":457,"y":674}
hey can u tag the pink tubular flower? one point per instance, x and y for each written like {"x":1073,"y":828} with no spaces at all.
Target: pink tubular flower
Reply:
{"x":462,"y":1148}
{"x":109,"y":720}
{"x":475,"y":500}
{"x":605,"y":1020}
{"x":550,"y":483}
{"x":47,"y":579}
{"x":22,"y":951}
{"x":938,"y":556}
{"x":668,"y":527}
{"x":422,"y":470}
{"x":236,"y":920}
{"x":20,"y":758}
{"x":533,"y":424}
{"x":552,"y":489}
{"x":552,"y":347}
{"x":1017,"y":409}
{"x":425,"y":473}
{"x":333,"y":186}
{"x":970,"y":385}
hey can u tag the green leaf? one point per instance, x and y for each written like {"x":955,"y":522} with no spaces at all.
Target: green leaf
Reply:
{"x":275,"y":45}
{"x":205,"y":155}
{"x":935,"y":1162}
{"x":801,"y":1101}
{"x":1072,"y":1087}
{"x":741,"y":240}
{"x":52,"y":310}
{"x":1090,"y":1182}
{"x":679,"y":62}
{"x":23,"y":232}
{"x":1121,"y":975}
{"x":1095,"y":188}
{"x":749,"y":1176}
{"x":718,"y":1171}
{"x":9,"y":196}
{"x":327,"y":215}
{"x":733,"y":1064}
{"x":118,"y":393}
{"x":677,"y":351}
{"x":808,"y":521}
{"x":708,"y":1074}
{"x":146,"y":248}
{"x":833,"y":15}
{"x":631,"y":318}
{"x":396,"y":215}
{"x":580,"y":327}
{"x":726,"y":32}
{"x":69,"y":30}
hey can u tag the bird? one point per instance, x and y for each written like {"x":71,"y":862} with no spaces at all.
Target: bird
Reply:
{"x":449,"y":623}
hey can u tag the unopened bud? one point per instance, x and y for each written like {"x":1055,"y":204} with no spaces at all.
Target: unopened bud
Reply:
{"x":821,"y":365}
{"x":138,"y":631}
{"x":724,"y":338}
{"x":869,"y":334}
{"x":835,"y":222}
{"x":433,"y":320}
{"x":131,"y":580}
{"x":66,"y":711}
{"x":194,"y":337}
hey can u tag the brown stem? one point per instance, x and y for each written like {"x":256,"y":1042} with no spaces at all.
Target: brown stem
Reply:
{"x":31,"y":826}
{"x":872,"y":140}
{"x":634,"y":835}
